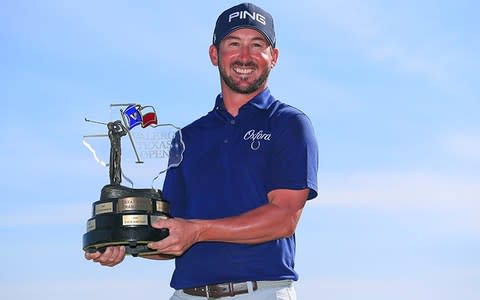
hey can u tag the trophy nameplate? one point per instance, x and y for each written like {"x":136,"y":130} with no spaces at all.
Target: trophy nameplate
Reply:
{"x":124,"y":215}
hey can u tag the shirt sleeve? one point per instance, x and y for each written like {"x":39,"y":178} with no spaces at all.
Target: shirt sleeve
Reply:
{"x":294,"y":161}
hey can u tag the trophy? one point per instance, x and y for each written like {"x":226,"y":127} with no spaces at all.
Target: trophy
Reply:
{"x":124,"y":215}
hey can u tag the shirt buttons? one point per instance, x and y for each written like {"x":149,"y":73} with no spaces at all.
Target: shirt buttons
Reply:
{"x":232,"y":122}
{"x":225,"y":141}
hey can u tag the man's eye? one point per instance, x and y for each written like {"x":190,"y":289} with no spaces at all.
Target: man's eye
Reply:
{"x":259,"y":45}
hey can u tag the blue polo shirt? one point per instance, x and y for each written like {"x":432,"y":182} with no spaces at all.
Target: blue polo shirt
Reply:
{"x":229,"y":166}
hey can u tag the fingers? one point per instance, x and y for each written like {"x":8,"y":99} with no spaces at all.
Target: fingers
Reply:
{"x":181,"y":236}
{"x":94,"y":255}
{"x":160,"y":224}
{"x":163,"y":246}
{"x":111,"y":257}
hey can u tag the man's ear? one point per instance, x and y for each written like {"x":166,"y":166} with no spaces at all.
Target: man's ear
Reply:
{"x":275,"y":54}
{"x":213,"y":53}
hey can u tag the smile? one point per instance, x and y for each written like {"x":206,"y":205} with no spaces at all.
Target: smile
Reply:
{"x":243,"y":71}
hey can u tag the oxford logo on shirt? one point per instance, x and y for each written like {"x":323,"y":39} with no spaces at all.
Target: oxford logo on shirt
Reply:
{"x":256,"y":138}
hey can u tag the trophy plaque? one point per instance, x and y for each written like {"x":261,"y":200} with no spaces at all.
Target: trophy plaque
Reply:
{"x":124,"y":215}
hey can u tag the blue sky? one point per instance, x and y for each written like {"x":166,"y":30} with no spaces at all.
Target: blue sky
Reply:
{"x":392,"y":90}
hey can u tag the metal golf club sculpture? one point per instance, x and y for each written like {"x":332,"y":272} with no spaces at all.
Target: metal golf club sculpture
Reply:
{"x":123,"y":215}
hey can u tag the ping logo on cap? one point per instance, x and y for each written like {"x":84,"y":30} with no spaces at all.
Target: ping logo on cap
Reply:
{"x":245,"y":13}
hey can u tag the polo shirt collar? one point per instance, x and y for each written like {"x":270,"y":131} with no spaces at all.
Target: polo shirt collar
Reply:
{"x":260,"y":101}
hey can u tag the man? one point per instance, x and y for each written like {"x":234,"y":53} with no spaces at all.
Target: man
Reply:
{"x":249,"y":167}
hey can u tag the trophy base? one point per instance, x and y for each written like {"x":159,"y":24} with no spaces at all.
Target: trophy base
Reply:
{"x":135,"y":240}
{"x":124,"y":217}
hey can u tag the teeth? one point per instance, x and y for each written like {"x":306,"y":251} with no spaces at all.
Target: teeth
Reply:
{"x":243,"y":70}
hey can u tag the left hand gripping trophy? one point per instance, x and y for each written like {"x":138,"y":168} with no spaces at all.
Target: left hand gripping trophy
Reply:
{"x":123,"y":215}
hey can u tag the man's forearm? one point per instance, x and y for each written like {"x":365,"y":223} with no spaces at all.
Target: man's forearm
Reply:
{"x":274,"y":220}
{"x":265,"y":223}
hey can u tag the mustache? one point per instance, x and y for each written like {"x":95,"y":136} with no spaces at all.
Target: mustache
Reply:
{"x":238,"y":63}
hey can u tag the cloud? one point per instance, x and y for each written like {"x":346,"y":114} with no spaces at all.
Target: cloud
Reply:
{"x":401,"y":191}
{"x":84,"y":289}
{"x":453,"y":198}
{"x":443,"y":283}
{"x":392,"y":36}
{"x":42,"y":156}
{"x":464,"y":146}
{"x":53,"y":214}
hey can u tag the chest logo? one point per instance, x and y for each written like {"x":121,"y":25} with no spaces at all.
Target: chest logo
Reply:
{"x":256,"y":138}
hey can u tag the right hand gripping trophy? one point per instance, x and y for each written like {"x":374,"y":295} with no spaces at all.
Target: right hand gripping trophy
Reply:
{"x":123,"y":215}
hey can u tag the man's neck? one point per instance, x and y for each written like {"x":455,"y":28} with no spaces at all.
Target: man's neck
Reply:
{"x":234,"y":100}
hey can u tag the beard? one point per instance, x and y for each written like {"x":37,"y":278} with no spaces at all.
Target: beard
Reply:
{"x":235,"y":86}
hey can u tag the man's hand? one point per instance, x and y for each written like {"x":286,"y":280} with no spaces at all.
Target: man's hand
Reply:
{"x":274,"y":220}
{"x":111,"y":257}
{"x":182,"y":235}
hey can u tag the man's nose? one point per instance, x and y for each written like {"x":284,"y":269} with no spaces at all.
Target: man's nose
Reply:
{"x":244,"y":53}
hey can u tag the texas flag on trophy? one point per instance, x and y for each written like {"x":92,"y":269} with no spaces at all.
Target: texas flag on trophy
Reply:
{"x":136,"y":114}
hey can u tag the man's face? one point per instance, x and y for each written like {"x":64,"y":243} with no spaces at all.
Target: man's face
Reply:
{"x":244,"y":60}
